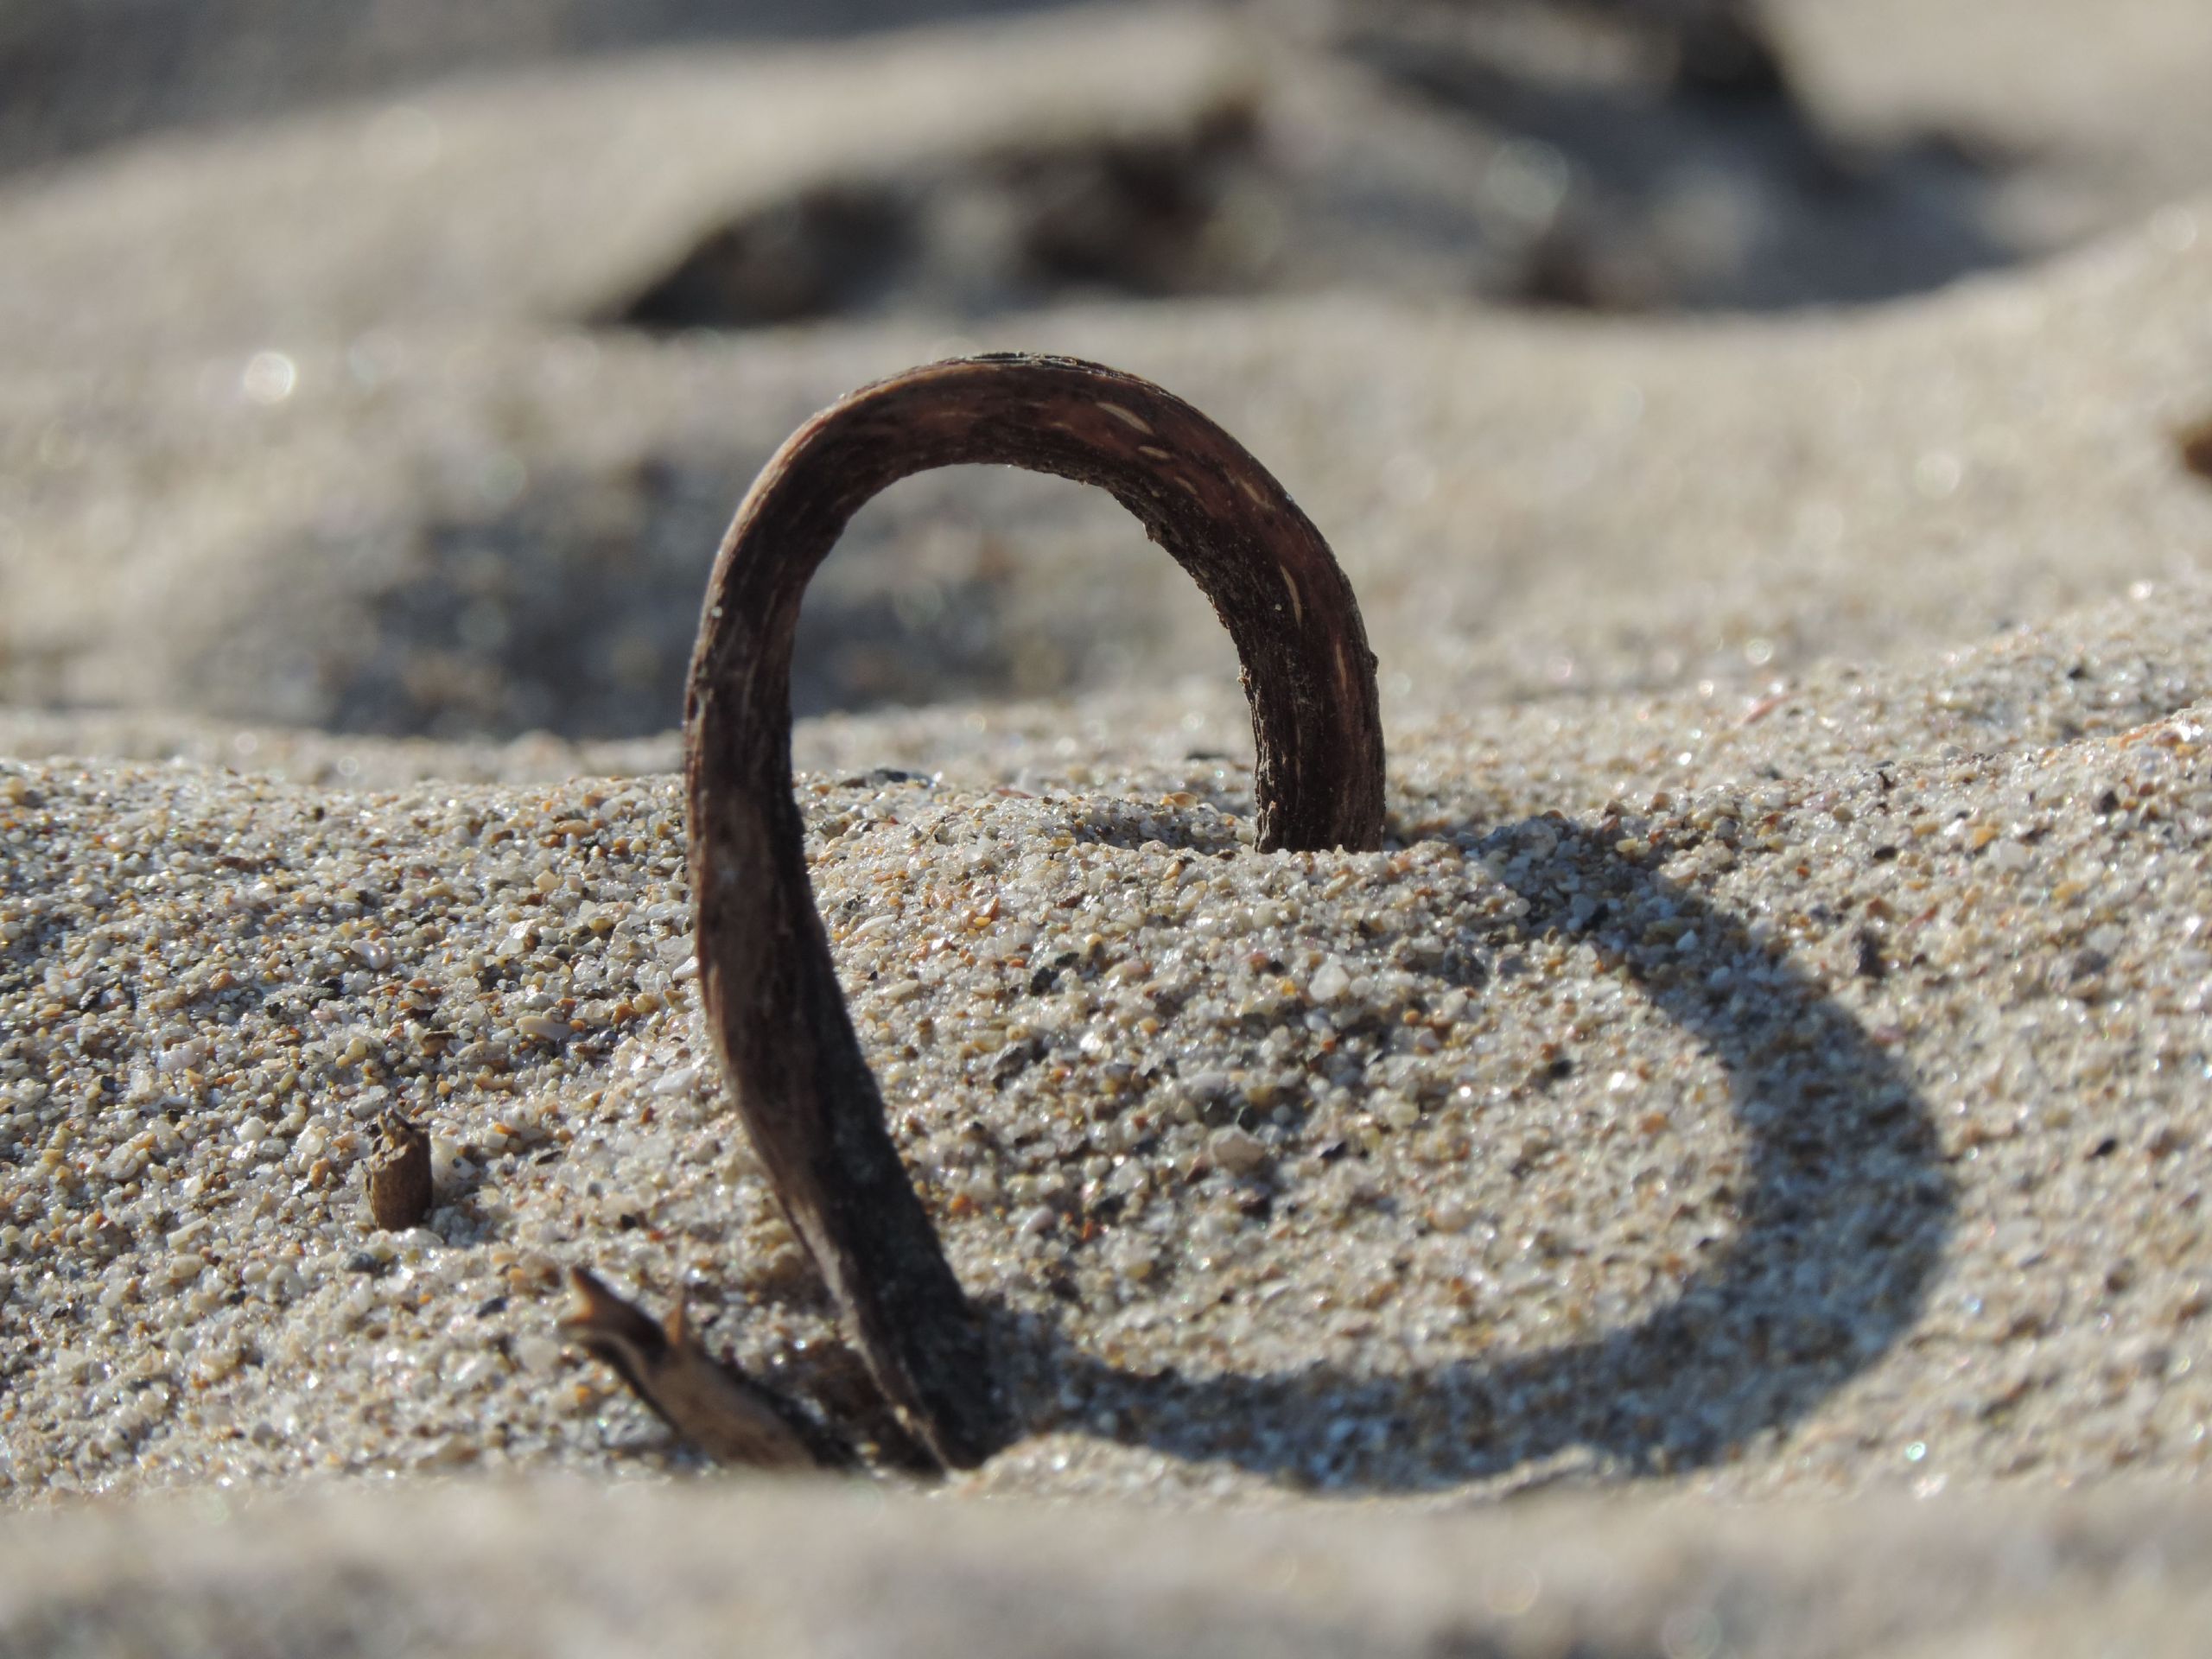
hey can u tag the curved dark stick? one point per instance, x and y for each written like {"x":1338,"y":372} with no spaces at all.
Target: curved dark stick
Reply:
{"x":772,"y":999}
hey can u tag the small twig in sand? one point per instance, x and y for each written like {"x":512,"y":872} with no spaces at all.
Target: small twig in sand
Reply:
{"x":400,"y":1187}
{"x":726,"y":1413}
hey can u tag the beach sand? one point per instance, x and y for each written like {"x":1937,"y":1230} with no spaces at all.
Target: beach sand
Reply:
{"x":1765,"y":1067}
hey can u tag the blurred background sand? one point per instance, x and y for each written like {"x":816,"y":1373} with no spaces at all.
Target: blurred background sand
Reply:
{"x":389,"y":370}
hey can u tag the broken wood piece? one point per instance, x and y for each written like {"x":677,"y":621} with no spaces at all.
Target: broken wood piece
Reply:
{"x":727,"y":1415}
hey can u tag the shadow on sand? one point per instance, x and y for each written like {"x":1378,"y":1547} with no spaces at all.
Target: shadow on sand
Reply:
{"x":1836,"y":1237}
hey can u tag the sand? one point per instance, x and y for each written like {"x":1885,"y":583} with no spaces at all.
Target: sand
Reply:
{"x":552,"y":1567}
{"x":1727,"y":1177}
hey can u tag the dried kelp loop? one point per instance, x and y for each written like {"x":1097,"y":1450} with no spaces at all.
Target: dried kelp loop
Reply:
{"x":772,"y":995}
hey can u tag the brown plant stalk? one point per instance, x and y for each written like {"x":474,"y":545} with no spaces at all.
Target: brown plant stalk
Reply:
{"x":773,"y":1000}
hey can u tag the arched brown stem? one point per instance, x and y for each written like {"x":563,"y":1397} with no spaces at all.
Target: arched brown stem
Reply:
{"x":772,"y":999}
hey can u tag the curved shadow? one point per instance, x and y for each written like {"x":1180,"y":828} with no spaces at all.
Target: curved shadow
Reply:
{"x":1833,"y":1246}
